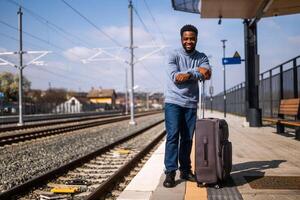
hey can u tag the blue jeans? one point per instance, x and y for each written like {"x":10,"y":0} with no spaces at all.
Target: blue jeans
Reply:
{"x":180,"y":125}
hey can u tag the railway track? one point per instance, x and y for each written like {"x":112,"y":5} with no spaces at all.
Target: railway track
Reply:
{"x":36,"y":123}
{"x":7,"y":138}
{"x":92,"y":176}
{"x":5,"y":120}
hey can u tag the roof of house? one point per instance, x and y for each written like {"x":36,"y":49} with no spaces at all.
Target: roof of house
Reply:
{"x":83,"y":100}
{"x":101,"y":93}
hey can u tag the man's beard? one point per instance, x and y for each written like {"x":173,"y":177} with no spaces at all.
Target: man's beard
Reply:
{"x":188,"y":50}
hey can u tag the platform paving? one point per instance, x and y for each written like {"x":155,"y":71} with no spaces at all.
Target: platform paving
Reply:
{"x":256,"y":152}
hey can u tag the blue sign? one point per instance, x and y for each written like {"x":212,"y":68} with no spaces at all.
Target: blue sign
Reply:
{"x":231,"y":61}
{"x":1,"y":95}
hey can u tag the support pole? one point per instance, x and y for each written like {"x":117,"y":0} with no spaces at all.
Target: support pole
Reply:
{"x":224,"y":77}
{"x":20,"y":70}
{"x":147,"y":101}
{"x":253,"y":113}
{"x":131,"y":95}
{"x":126,"y":92}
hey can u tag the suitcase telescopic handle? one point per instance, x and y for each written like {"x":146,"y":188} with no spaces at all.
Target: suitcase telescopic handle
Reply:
{"x":203,"y":99}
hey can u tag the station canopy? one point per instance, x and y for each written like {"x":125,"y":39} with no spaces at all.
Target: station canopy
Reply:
{"x":245,"y":9}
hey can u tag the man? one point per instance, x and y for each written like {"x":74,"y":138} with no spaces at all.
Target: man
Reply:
{"x":186,"y":66}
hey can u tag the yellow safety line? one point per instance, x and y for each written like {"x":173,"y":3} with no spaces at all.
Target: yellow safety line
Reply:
{"x":192,"y":192}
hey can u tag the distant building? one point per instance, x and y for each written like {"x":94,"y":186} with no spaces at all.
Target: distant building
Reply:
{"x":120,"y":100}
{"x":142,"y":100}
{"x":73,"y":105}
{"x":103,"y":96}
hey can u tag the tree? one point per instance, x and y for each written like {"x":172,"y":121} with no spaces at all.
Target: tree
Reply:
{"x":55,"y":95}
{"x":9,"y":85}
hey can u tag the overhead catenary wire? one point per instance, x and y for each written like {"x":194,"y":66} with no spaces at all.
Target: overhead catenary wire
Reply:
{"x":153,"y":40}
{"x":144,"y":25}
{"x":146,"y":29}
{"x":40,"y":39}
{"x":53,"y":26}
{"x":93,"y":24}
{"x":31,"y":35}
{"x":36,"y":37}
{"x":154,"y":20}
{"x":79,"y":75}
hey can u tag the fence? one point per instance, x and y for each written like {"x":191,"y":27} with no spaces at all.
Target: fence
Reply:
{"x":280,"y":82}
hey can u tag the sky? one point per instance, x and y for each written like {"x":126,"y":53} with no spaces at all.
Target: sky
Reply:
{"x":52,"y":25}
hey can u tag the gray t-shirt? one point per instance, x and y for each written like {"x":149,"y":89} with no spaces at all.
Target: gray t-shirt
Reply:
{"x":184,"y":94}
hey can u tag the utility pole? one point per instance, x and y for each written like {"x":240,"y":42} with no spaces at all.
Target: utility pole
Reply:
{"x":21,"y":66}
{"x":147,"y":100}
{"x":224,"y":74}
{"x":20,"y":70}
{"x":126,"y":92}
{"x":131,"y":95}
{"x":211,"y":92}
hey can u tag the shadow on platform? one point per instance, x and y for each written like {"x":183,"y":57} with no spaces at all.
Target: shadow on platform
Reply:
{"x":252,"y":168}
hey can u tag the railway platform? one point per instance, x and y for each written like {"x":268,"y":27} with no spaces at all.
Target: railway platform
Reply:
{"x":266,"y":166}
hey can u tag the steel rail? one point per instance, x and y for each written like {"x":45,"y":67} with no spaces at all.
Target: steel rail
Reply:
{"x":61,"y":120}
{"x":18,"y":137}
{"x":57,"y":121}
{"x":39,"y":117}
{"x":105,"y":187}
{"x":39,"y":180}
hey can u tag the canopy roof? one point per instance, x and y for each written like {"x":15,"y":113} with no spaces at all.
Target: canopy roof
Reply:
{"x":245,"y":9}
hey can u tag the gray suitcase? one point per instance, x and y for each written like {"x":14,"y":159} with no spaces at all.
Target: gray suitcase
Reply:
{"x":213,"y":150}
{"x":213,"y":156}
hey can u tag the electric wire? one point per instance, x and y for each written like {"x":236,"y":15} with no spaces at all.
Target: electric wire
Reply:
{"x":79,"y":75}
{"x":53,"y":25}
{"x":144,"y":25}
{"x":94,"y":25}
{"x":154,"y":20}
{"x":62,"y":30}
{"x":91,"y":23}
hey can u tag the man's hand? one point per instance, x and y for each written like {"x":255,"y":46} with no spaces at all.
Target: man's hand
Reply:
{"x":180,"y":78}
{"x":205,"y":72}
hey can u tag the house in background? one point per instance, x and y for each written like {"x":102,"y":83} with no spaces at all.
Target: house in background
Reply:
{"x":73,"y":105}
{"x":103,"y":96}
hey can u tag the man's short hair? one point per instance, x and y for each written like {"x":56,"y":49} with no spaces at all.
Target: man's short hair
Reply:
{"x":188,"y":27}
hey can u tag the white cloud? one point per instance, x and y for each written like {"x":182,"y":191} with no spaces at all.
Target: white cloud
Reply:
{"x":120,"y":36}
{"x":295,"y":40}
{"x":2,"y":49}
{"x":78,"y":53}
{"x":272,"y":24}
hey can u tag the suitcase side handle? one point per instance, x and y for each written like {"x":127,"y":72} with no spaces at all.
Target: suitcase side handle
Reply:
{"x":205,"y":151}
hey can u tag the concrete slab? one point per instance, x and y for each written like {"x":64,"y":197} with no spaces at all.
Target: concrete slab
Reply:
{"x":260,"y":151}
{"x":256,"y":151}
{"x":135,"y":195}
{"x":175,"y":193}
{"x":144,"y":183}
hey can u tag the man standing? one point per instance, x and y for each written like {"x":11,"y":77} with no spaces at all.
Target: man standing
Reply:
{"x":186,"y":66}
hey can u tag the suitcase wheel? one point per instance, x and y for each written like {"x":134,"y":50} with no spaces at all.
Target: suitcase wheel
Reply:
{"x":200,"y":185}
{"x":217,"y":186}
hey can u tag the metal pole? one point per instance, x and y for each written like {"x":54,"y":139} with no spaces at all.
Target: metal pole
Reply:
{"x":147,"y":100}
{"x":20,"y":70}
{"x":203,"y":99}
{"x":126,"y":92}
{"x":224,"y":74}
{"x":131,"y":122}
{"x":211,"y":93}
{"x":295,"y":78}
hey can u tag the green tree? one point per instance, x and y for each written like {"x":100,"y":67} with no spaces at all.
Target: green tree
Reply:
{"x":9,"y":85}
{"x":55,"y":95}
